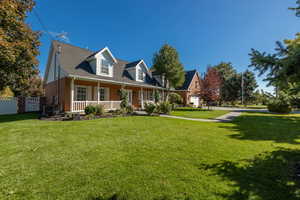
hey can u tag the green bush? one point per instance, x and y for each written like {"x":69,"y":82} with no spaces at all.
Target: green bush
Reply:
{"x":175,"y":98}
{"x":90,"y":109}
{"x":279,"y":106}
{"x":165,"y":107}
{"x":99,"y":109}
{"x":129,"y":109}
{"x":124,"y":99}
{"x":150,"y":108}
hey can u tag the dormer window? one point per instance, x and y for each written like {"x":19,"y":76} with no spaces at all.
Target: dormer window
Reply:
{"x":140,"y":74}
{"x":105,"y":67}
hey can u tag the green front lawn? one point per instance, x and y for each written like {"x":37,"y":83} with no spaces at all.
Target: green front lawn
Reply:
{"x":201,"y":114}
{"x":147,"y":158}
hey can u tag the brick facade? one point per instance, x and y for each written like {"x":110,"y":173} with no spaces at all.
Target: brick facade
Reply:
{"x":193,"y":90}
{"x":65,"y":92}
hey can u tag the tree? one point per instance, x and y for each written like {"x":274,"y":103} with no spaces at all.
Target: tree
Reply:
{"x":6,"y":92}
{"x":281,"y":67}
{"x":228,"y":76}
{"x":249,"y":86}
{"x":297,"y":9}
{"x":211,"y":86}
{"x":232,"y":89}
{"x":18,"y":45}
{"x":166,"y":63}
{"x":35,"y":88}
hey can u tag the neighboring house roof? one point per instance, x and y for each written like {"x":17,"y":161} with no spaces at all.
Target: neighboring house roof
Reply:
{"x":73,"y":61}
{"x":189,"y":75}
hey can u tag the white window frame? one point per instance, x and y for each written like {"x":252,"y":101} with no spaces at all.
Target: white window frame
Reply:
{"x":141,"y":75}
{"x":105,"y":65}
{"x":86,"y":92}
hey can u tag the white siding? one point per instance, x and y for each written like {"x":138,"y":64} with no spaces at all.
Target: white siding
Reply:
{"x":104,"y":56}
{"x":51,"y":77}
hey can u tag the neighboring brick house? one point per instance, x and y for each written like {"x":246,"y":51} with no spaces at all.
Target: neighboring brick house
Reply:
{"x":76,"y":77}
{"x":190,"y":91}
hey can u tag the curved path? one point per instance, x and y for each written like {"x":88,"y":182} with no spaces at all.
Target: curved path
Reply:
{"x":224,"y":118}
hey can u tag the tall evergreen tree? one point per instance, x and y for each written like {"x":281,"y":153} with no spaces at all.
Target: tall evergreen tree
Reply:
{"x":166,"y":63}
{"x":228,"y":76}
{"x":18,"y":45}
{"x":249,"y":86}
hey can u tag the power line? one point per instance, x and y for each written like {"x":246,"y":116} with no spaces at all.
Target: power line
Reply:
{"x":42,"y":24}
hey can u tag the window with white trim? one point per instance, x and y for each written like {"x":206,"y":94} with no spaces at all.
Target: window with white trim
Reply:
{"x":81,"y":93}
{"x":102,"y":94}
{"x":105,"y":67}
{"x":140,"y":74}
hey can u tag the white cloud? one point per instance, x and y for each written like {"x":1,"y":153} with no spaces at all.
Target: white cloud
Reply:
{"x":60,"y":36}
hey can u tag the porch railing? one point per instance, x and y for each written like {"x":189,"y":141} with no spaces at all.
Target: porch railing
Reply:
{"x":79,"y":106}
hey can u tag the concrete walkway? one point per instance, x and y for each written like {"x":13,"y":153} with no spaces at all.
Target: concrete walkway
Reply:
{"x":224,"y":118}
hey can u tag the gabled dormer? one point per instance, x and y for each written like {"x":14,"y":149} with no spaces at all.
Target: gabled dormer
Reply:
{"x":138,"y":70}
{"x":102,"y":62}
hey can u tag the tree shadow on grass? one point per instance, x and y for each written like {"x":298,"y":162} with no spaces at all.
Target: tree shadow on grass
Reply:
{"x":17,"y":117}
{"x":263,"y":126}
{"x":269,"y":176}
{"x":123,"y":197}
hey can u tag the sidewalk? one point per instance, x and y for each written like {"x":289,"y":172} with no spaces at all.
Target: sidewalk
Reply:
{"x":224,"y":118}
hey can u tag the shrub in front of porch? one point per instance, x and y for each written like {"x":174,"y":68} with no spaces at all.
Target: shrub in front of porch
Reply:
{"x":90,"y":109}
{"x":150,"y":108}
{"x":95,"y":110}
{"x":164,"y":107}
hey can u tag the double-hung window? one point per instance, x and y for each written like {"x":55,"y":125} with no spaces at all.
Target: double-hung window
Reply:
{"x":102,"y":94}
{"x":140,"y":75}
{"x":81,"y":93}
{"x":105,"y":67}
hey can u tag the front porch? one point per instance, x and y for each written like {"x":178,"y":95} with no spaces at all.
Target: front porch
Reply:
{"x":84,"y":93}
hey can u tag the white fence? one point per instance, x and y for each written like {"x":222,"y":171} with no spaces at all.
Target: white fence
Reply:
{"x":32,"y":104}
{"x":79,"y":106}
{"x":12,"y":105}
{"x":8,"y":105}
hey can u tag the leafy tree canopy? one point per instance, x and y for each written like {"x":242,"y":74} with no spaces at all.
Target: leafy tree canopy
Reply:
{"x":18,"y":45}
{"x":166,"y":62}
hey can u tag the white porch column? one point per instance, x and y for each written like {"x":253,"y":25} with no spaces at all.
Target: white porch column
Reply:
{"x":98,"y":92}
{"x":72,"y":94}
{"x":142,"y":98}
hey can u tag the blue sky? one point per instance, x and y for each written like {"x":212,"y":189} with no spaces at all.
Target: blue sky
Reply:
{"x":205,"y":32}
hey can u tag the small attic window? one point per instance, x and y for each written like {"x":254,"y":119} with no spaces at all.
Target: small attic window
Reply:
{"x":105,"y":67}
{"x":140,"y":75}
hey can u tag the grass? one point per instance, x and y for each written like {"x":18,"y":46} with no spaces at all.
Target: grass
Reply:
{"x":150,"y":158}
{"x":199,"y":114}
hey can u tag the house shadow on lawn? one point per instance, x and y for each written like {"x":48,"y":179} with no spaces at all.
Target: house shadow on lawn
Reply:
{"x":263,"y":126}
{"x":269,"y":176}
{"x":18,"y":117}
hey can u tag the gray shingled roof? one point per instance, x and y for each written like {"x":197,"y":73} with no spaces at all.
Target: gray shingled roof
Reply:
{"x":188,"y":79}
{"x":73,"y":62}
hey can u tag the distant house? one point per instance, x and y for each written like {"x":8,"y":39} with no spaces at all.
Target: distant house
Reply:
{"x":190,"y":91}
{"x":76,"y":77}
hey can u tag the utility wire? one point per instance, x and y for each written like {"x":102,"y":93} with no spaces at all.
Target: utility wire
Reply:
{"x":42,"y":24}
